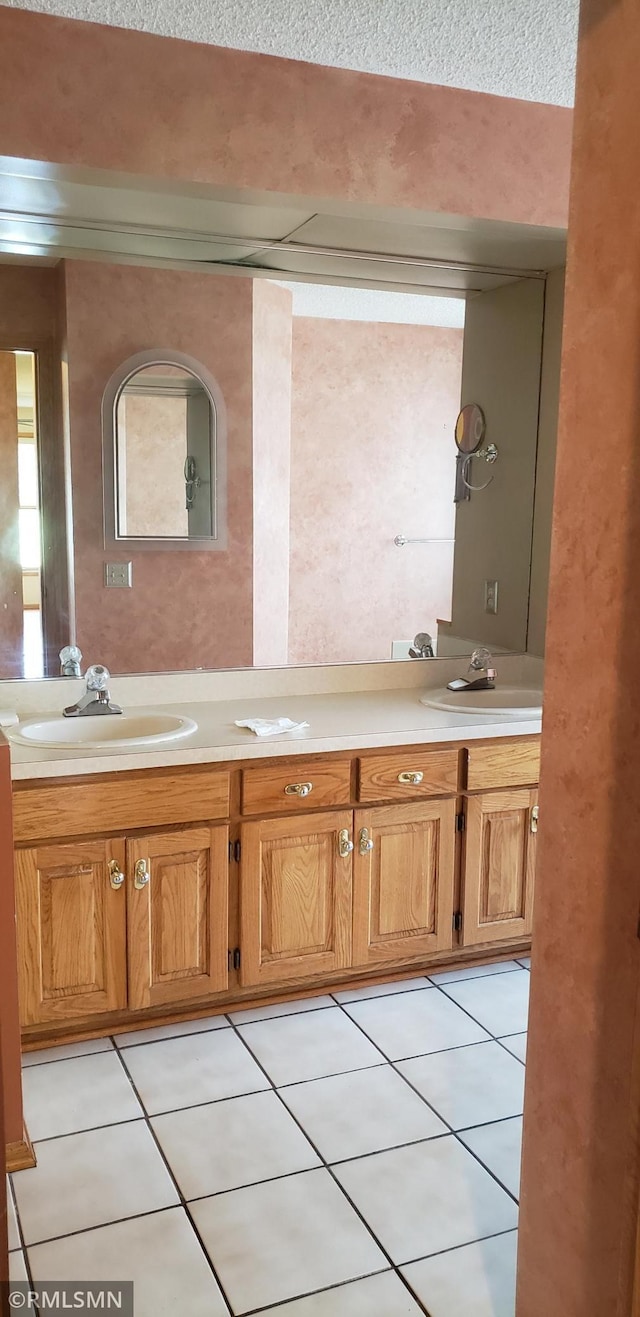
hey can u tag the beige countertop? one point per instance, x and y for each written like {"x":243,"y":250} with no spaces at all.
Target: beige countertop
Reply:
{"x":344,"y":721}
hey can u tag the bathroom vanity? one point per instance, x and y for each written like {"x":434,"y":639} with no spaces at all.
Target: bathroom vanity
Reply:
{"x":148,"y":893}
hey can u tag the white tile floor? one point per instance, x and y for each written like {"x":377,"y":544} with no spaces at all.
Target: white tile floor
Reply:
{"x":354,"y":1155}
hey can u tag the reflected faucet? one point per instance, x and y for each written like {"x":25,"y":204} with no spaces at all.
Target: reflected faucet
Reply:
{"x":96,"y":699}
{"x":422,"y":646}
{"x":481,"y":674}
{"x":70,"y":659}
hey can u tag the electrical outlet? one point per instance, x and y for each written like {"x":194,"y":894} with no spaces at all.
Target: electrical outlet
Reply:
{"x":491,"y":596}
{"x":117,"y":575}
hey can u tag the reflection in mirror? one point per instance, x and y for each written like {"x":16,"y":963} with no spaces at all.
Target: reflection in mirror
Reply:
{"x":164,"y":450}
{"x":470,"y":428}
{"x":21,"y":647}
{"x":341,"y":541}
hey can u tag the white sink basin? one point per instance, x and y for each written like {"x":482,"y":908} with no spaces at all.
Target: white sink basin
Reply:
{"x":103,"y":731}
{"x":509,"y":701}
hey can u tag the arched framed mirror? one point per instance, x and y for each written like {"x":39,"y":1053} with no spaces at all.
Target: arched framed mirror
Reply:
{"x":164,"y":437}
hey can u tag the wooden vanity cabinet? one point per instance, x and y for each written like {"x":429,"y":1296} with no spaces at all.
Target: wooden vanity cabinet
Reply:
{"x":403,"y":881}
{"x":501,"y":825}
{"x":177,"y":916}
{"x":131,"y":921}
{"x":499,"y":866}
{"x":119,"y":924}
{"x":346,"y":889}
{"x":295,"y":897}
{"x":338,"y":866}
{"x":72,"y":930}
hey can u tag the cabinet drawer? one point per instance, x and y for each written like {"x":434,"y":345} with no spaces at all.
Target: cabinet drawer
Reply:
{"x":408,"y":774}
{"x":119,"y":803}
{"x":504,"y":764}
{"x":300,"y":786}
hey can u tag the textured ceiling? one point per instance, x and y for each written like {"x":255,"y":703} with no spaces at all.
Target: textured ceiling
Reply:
{"x":522,"y":48}
{"x":328,"y":302}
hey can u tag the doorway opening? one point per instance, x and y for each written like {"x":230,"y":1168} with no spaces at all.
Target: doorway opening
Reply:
{"x":29,"y":515}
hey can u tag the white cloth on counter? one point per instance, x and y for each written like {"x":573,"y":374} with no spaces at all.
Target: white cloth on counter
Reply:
{"x":270,"y":726}
{"x":8,"y":718}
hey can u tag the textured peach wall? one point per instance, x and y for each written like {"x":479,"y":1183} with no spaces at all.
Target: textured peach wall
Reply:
{"x":81,"y":94}
{"x":580,"y":1184}
{"x":186,"y":609}
{"x":271,"y":470}
{"x":372,"y":456}
{"x":10,"y":569}
{"x":28,"y":300}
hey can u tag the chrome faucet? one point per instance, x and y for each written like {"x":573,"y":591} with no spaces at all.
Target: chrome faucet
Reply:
{"x":70,"y":660}
{"x":422,"y":646}
{"x":481,"y":674}
{"x":96,"y":699}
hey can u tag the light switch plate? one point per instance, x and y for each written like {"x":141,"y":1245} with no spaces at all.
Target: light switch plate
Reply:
{"x":117,"y":575}
{"x":491,"y":596}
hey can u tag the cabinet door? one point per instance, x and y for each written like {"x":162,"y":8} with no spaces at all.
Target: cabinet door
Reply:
{"x":499,"y":866}
{"x":178,"y":915}
{"x":403,"y":884}
{"x":295,"y":897}
{"x":71,"y":930}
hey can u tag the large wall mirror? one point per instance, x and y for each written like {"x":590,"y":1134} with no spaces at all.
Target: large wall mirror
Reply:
{"x":303,"y":430}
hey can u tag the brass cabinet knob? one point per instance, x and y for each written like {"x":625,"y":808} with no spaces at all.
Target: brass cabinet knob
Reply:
{"x":141,"y":875}
{"x":345,"y":844}
{"x":410,"y":778}
{"x":366,"y":842}
{"x":535,"y":815}
{"x":298,"y":789}
{"x":116,"y":876}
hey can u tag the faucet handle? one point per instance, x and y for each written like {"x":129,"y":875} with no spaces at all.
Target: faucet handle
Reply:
{"x":70,"y":659}
{"x":422,"y":646}
{"x":481,"y":660}
{"x":97,"y":677}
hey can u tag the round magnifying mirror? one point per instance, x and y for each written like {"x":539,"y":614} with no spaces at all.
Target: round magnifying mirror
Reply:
{"x":470,"y":428}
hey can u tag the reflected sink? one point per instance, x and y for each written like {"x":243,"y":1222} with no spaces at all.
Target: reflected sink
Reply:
{"x":508,"y":701}
{"x":103,"y":731}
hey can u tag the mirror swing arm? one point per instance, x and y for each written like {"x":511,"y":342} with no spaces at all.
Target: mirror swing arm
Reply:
{"x":470,"y":431}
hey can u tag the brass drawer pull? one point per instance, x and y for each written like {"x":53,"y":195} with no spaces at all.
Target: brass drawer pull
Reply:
{"x":535,"y":815}
{"x":141,"y":875}
{"x":345,"y":844}
{"x":298,"y":789}
{"x":366,"y":842}
{"x":116,"y":875}
{"x":410,"y":778}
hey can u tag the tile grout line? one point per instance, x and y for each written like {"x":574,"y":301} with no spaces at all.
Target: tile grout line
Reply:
{"x":325,"y":1165}
{"x":472,"y":1017}
{"x":102,"y":1225}
{"x":508,"y":1049}
{"x":285,"y":1175}
{"x":177,"y":1188}
{"x":23,"y":1246}
{"x":385,"y":1061}
{"x":272,"y":1087}
{"x":393,"y":1270}
{"x":211,"y":1102}
{"x":428,"y":981}
{"x":437,"y":1113}
{"x":325,"y":1289}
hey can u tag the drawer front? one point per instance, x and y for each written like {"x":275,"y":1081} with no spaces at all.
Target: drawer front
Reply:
{"x":121,"y":803}
{"x":408,"y":775}
{"x":504,"y":764}
{"x":300,"y":786}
